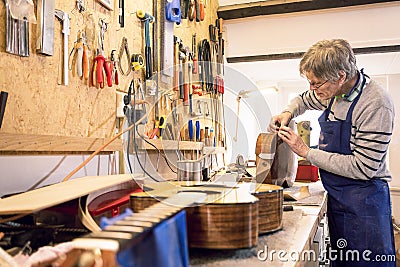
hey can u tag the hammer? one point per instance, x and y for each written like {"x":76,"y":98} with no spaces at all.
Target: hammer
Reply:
{"x":64,"y":18}
{"x":146,"y":18}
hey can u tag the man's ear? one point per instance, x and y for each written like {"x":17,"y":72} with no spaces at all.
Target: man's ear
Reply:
{"x":342,"y":76}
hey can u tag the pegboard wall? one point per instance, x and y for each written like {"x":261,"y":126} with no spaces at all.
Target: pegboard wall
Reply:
{"x":39,"y":103}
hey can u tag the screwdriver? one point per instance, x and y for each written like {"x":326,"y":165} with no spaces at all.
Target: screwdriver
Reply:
{"x":190,"y":127}
{"x":197,"y":131}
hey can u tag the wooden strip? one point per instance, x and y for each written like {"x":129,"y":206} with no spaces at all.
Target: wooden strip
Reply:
{"x":295,"y":55}
{"x":170,"y":145}
{"x":52,"y":143}
{"x":55,"y":194}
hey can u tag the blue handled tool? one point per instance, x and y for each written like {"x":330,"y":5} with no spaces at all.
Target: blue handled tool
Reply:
{"x":147,"y":19}
{"x":198,"y":131}
{"x":173,"y":11}
{"x":190,"y":128}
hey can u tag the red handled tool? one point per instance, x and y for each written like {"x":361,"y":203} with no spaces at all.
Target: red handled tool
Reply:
{"x":219,"y":85}
{"x":197,"y":89}
{"x":201,"y":6}
{"x":194,"y":55}
{"x":102,"y":63}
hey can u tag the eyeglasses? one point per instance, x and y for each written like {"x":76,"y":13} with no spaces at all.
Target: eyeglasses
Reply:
{"x":312,"y":85}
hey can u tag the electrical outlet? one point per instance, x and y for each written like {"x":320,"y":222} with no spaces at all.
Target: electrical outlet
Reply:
{"x":120,"y":105}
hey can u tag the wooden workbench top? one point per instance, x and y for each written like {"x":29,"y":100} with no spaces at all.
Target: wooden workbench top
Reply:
{"x":299,"y":226}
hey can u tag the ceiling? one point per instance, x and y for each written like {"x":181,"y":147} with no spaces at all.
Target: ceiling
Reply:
{"x":291,"y":34}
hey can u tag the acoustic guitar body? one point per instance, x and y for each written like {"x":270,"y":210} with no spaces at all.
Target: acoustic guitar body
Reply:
{"x":270,"y":207}
{"x":229,"y":218}
{"x":223,"y":225}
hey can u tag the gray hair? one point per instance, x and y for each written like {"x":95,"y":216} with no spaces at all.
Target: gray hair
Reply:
{"x":327,"y":57}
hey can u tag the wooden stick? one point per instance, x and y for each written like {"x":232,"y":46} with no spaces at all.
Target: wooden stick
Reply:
{"x":106,"y":144}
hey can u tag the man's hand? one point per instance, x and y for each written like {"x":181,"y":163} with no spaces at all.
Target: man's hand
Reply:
{"x":282,"y":119}
{"x":294,"y":141}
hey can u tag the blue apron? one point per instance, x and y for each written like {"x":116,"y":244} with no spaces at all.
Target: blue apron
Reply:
{"x":359,"y":211}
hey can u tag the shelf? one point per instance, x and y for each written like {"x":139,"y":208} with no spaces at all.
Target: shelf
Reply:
{"x":213,"y":150}
{"x":170,"y":145}
{"x":50,"y":143}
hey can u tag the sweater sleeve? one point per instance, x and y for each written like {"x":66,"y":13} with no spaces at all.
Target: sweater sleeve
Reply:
{"x":370,"y":141}
{"x":305,"y":101}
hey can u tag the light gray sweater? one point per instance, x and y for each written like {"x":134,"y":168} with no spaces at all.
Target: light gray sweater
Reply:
{"x":372,"y":127}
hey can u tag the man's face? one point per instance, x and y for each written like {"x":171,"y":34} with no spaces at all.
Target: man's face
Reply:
{"x":324,"y":89}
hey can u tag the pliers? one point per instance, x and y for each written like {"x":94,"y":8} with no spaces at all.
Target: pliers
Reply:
{"x":100,"y":61}
{"x":80,"y":55}
{"x":114,"y":71}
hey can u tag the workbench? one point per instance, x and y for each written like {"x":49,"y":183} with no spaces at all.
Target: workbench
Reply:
{"x":295,"y":237}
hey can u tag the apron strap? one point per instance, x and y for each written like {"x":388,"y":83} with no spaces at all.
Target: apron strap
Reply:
{"x":328,"y":110}
{"x":356,"y":87}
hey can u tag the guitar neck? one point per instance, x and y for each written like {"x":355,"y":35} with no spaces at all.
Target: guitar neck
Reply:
{"x":124,"y":234}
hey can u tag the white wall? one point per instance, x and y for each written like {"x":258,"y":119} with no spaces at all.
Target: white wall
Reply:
{"x":21,"y":173}
{"x":363,"y":26}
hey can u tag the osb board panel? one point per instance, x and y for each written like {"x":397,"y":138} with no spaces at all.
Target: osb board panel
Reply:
{"x":48,"y":143}
{"x":38,"y":103}
{"x":185,"y":31}
{"x":187,"y":28}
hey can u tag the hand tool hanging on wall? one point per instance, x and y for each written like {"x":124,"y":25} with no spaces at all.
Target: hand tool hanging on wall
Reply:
{"x":121,"y":11}
{"x":64,"y":17}
{"x":219,"y":85}
{"x":198,"y":131}
{"x":124,"y":48}
{"x":192,"y":10}
{"x":137,"y":61}
{"x":181,"y":79}
{"x":101,"y":61}
{"x":207,"y":70}
{"x":190,"y":80}
{"x":17,"y":34}
{"x":173,"y":11}
{"x":147,"y":19}
{"x":184,"y":8}
{"x":80,"y":55}
{"x":177,"y":65}
{"x":172,"y":15}
{"x":161,"y":125}
{"x":197,"y":10}
{"x":194,"y":55}
{"x":185,"y":74}
{"x":45,"y":29}
{"x":114,"y":72}
{"x":80,"y":5}
{"x":191,"y":130}
{"x":201,"y":7}
{"x":3,"y":102}
{"x":221,"y":43}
